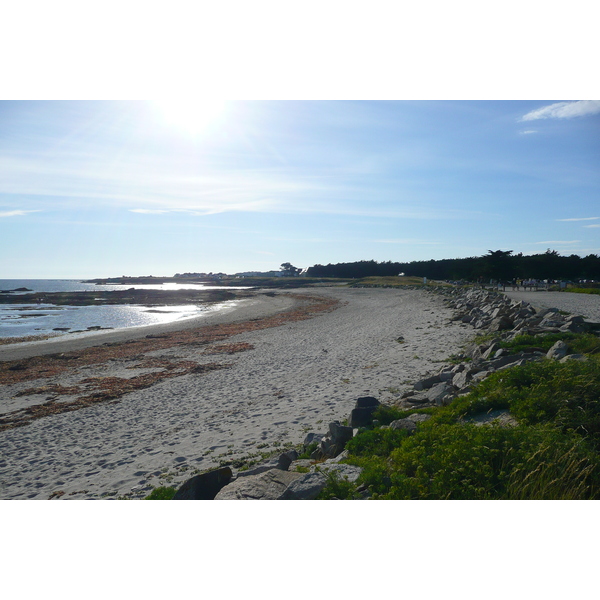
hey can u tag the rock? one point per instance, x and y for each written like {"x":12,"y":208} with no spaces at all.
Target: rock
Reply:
{"x":282,"y":462}
{"x":204,"y":486}
{"x":425,"y":384}
{"x":493,"y":348}
{"x":473,"y":351}
{"x":498,"y":363}
{"x":340,"y":434}
{"x":362,"y":413}
{"x":574,"y":327}
{"x":571,"y":357}
{"x":418,"y":417}
{"x":307,"y":487}
{"x":367,"y":402}
{"x":501,"y":324}
{"x":558,"y":351}
{"x":500,"y":417}
{"x":408,"y":424}
{"x":480,"y":376}
{"x":418,"y":399}
{"x":361,"y":417}
{"x":285,"y":460}
{"x":460,"y":380}
{"x":575,"y":319}
{"x":333,"y":444}
{"x":440,"y":394}
{"x":312,"y":438}
{"x":446,"y":376}
{"x":269,"y":485}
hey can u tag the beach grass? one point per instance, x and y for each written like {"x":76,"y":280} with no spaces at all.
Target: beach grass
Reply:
{"x":550,"y":451}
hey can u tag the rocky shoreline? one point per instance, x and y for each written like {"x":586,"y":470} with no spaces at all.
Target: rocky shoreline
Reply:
{"x":286,"y":477}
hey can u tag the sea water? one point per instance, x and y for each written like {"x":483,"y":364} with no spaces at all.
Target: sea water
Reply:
{"x":23,"y":320}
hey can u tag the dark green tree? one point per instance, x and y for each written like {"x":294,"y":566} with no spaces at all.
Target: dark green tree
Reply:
{"x":289,"y":270}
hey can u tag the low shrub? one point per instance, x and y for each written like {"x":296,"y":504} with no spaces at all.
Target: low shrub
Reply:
{"x":469,"y":462}
{"x":161,"y":493}
{"x":553,"y":453}
{"x":377,"y":442}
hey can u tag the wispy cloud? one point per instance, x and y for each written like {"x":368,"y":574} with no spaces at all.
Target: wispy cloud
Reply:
{"x":559,"y":242}
{"x":564,"y":110}
{"x":408,"y":241}
{"x":581,"y":219}
{"x":590,"y":226}
{"x":16,"y":213}
{"x":528,"y":131}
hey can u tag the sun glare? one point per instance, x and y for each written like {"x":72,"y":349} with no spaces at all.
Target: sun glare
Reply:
{"x":190,"y":116}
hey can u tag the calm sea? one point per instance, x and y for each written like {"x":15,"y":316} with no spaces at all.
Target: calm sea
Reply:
{"x":20,"y":320}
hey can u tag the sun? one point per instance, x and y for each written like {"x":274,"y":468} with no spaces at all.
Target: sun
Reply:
{"x":192,"y":116}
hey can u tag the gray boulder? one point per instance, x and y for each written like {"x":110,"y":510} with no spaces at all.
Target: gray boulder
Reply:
{"x":333,"y":444}
{"x":307,"y":487}
{"x":204,"y":486}
{"x":407,"y":424}
{"x":428,"y":382}
{"x":362,"y":413}
{"x":500,"y":324}
{"x":310,"y":484}
{"x":418,"y":418}
{"x":441,"y":393}
{"x":269,"y":485}
{"x":571,"y":357}
{"x":283,"y":461}
{"x":558,"y":351}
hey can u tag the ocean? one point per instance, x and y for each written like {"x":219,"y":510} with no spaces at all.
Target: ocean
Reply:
{"x":24,"y":320}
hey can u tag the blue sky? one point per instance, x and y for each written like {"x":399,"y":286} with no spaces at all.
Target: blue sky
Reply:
{"x":106,"y":188}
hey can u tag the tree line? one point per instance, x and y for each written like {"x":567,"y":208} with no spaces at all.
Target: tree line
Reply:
{"x":500,"y":265}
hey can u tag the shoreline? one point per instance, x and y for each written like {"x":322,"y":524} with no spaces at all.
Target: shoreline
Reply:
{"x":258,"y":384}
{"x":257,"y":306}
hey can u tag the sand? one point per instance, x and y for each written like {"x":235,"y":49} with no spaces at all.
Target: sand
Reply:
{"x":254,"y":392}
{"x":587,"y":305}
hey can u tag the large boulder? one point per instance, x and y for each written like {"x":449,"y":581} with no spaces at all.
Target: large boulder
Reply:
{"x":334,"y":443}
{"x":362,"y":413}
{"x":204,"y":486}
{"x":441,"y":394}
{"x":558,"y":351}
{"x":269,"y":485}
{"x":310,"y":484}
{"x":427,"y":383}
{"x":501,"y":323}
{"x":282,"y":462}
{"x":407,"y":424}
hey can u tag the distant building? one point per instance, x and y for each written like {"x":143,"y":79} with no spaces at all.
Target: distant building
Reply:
{"x":259,"y":274}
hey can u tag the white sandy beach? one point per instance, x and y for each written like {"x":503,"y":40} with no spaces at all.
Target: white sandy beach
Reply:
{"x":295,"y":378}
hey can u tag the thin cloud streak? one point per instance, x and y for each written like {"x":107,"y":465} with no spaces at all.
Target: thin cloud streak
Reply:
{"x":581,"y":219}
{"x":559,"y":242}
{"x":408,"y":241}
{"x":16,"y":213}
{"x":564,"y":110}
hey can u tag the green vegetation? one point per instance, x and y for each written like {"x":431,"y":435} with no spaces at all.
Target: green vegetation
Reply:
{"x":578,"y":343}
{"x":161,"y":493}
{"x":387,"y":281}
{"x":550,"y":448}
{"x":496,"y":264}
{"x":585,"y":290}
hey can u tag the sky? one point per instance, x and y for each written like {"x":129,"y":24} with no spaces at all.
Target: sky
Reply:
{"x":110,"y":188}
